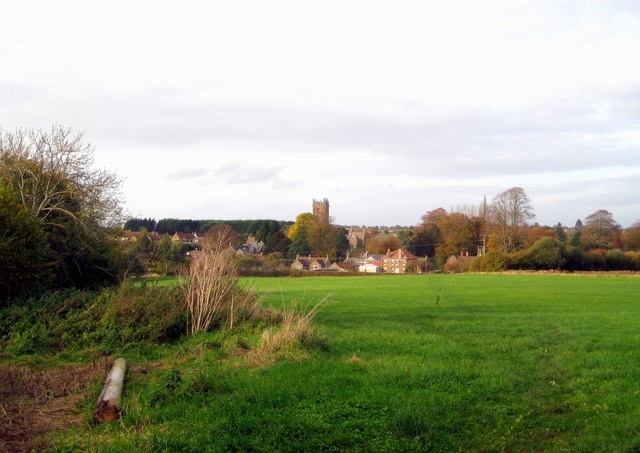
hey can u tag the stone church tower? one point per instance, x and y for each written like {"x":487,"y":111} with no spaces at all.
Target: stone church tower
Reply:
{"x":321,"y":210}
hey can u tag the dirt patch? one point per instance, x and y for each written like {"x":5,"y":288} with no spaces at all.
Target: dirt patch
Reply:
{"x":36,"y":402}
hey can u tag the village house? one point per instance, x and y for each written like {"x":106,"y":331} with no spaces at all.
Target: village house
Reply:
{"x":397,"y":262}
{"x":304,"y":263}
{"x":371,"y":267}
{"x":193,"y":239}
{"x":344,"y":266}
{"x":132,"y":236}
{"x":370,"y":263}
{"x":251,"y":247}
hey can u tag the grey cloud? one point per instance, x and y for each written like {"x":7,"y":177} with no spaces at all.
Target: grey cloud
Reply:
{"x":237,"y":173}
{"x":188,"y":173}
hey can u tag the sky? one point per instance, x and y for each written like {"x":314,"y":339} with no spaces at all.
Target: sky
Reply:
{"x":252,"y":109}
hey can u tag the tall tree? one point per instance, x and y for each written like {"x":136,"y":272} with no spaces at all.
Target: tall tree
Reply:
{"x":426,"y":236}
{"x":511,"y":211}
{"x":76,"y":205}
{"x":323,"y":239}
{"x":300,"y":242}
{"x":52,"y":173}
{"x":459,"y":233}
{"x":631,"y":237}
{"x":600,"y":230}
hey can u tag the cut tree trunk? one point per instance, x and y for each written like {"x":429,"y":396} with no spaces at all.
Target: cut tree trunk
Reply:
{"x":108,"y":408}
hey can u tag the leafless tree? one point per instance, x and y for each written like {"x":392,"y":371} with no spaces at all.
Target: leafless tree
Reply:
{"x":511,"y":211}
{"x":52,"y":173}
{"x":601,"y":230}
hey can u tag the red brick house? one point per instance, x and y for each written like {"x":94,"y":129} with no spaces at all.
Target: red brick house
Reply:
{"x":396,"y":262}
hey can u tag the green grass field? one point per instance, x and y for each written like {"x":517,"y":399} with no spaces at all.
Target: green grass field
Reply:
{"x":415,"y":363}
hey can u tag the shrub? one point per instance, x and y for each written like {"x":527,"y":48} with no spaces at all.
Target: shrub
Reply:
{"x":594,"y":261}
{"x":210,"y":280}
{"x":633,"y":260}
{"x":545,"y":254}
{"x":145,"y":314}
{"x":616,"y":260}
{"x":109,"y":319}
{"x":493,"y":261}
{"x":574,"y":259}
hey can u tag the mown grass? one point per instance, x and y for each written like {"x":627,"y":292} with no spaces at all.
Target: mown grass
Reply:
{"x":412,"y":363}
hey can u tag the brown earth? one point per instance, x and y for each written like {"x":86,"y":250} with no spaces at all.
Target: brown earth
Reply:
{"x":36,"y":402}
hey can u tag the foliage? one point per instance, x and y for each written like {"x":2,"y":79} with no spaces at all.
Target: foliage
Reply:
{"x":50,"y":174}
{"x":382,"y":243}
{"x":24,"y":250}
{"x":108,"y":320}
{"x":135,"y":224}
{"x":492,"y":261}
{"x":143,"y":255}
{"x":546,"y":254}
{"x":459,"y":234}
{"x":631,"y":237}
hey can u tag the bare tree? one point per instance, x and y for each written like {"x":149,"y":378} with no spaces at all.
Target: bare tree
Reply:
{"x":601,"y":230}
{"x":51,"y":171}
{"x":511,"y":211}
{"x":211,"y":279}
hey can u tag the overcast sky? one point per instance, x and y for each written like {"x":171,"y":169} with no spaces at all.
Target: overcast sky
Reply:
{"x":251,"y":109}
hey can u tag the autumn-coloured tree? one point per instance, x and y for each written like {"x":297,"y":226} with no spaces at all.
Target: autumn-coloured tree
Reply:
{"x":381,"y":243}
{"x":537,"y":232}
{"x":631,"y":237}
{"x":426,"y":236}
{"x":459,"y":234}
{"x":323,"y":240}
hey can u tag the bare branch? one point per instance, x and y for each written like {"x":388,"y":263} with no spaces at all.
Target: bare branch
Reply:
{"x":53,"y":175}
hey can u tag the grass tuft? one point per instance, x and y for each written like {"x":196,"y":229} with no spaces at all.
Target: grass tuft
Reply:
{"x":291,"y":339}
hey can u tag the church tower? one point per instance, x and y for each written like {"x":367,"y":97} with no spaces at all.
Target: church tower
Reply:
{"x":321,"y":210}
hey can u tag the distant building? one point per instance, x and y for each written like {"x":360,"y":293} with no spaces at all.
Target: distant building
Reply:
{"x":397,"y":262}
{"x":357,"y":235}
{"x":320,"y":210}
{"x":310,"y":263}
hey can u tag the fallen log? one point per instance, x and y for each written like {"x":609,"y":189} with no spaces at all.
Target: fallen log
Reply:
{"x":108,"y":407}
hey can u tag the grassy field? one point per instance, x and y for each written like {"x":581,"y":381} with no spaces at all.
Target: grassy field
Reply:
{"x":415,"y":363}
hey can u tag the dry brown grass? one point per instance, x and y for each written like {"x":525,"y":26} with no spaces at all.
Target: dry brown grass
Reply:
{"x":291,"y":338}
{"x":35,"y":403}
{"x":210,"y":280}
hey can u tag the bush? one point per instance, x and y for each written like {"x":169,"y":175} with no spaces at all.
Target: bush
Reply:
{"x":594,"y":260}
{"x":76,"y":320}
{"x":545,"y":254}
{"x":575,"y":260}
{"x":633,"y":260}
{"x":493,"y":261}
{"x":145,"y":314}
{"x":616,"y":260}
